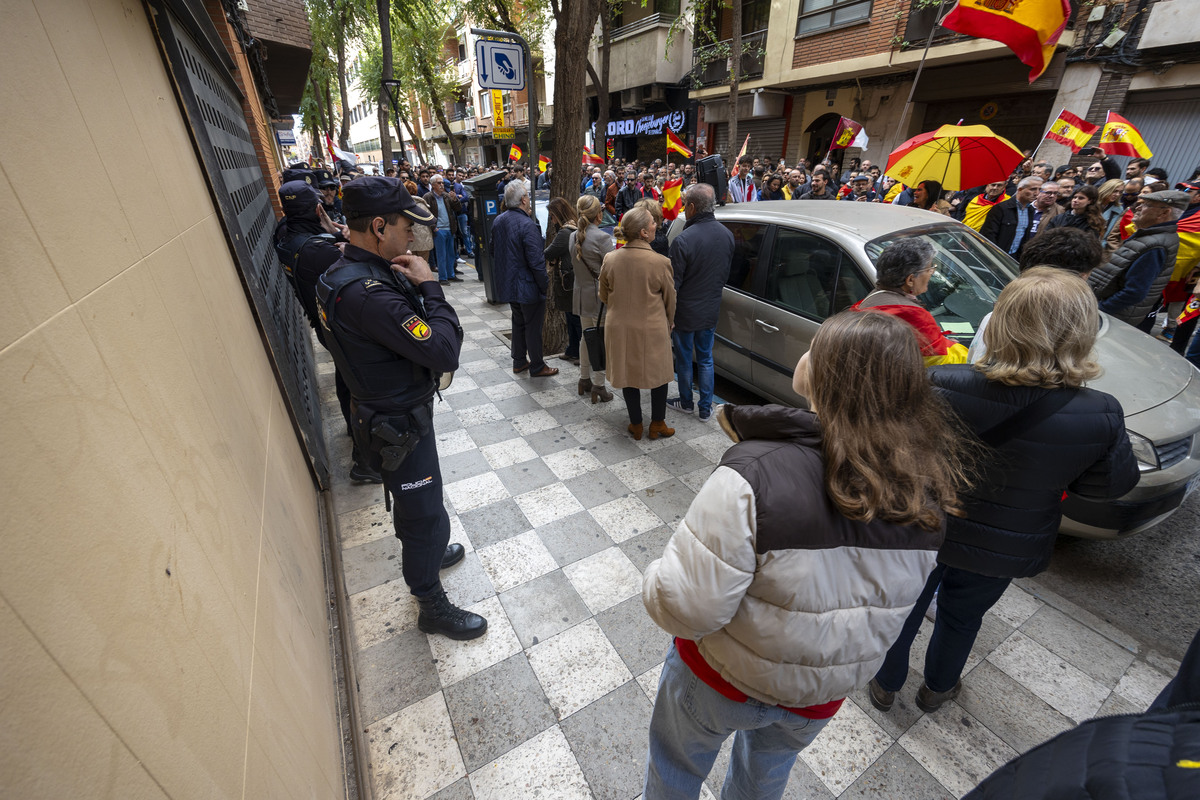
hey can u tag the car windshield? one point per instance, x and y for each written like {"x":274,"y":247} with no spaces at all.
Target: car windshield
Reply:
{"x":968,"y":278}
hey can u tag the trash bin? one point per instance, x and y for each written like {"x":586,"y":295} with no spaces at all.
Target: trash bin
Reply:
{"x":486,"y":203}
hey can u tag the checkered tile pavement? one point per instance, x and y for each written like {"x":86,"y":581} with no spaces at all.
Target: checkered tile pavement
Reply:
{"x":560,"y":511}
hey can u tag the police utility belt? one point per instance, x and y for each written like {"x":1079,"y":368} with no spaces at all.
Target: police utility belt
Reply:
{"x":383,"y":439}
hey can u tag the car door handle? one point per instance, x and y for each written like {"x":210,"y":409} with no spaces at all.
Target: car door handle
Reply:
{"x":766,"y":326}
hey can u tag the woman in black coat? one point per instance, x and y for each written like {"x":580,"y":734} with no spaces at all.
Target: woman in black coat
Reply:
{"x":1084,"y":214}
{"x":1043,"y":434}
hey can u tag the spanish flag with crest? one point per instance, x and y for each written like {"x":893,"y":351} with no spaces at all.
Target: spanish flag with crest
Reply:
{"x":1120,"y":138}
{"x":1030,"y":28}
{"x":1071,"y":131}
{"x":514,"y":153}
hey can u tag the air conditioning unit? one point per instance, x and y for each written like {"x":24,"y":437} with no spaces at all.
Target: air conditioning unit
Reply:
{"x":631,"y":99}
{"x":655,"y":93}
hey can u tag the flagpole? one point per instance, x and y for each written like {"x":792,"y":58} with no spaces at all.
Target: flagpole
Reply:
{"x":920,"y":67}
{"x":1042,"y":141}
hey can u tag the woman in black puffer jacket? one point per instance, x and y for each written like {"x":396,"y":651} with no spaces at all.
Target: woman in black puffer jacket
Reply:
{"x":1024,"y":400}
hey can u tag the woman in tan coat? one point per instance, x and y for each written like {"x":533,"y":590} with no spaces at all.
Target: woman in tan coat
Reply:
{"x":639,"y":288}
{"x":422,"y":241}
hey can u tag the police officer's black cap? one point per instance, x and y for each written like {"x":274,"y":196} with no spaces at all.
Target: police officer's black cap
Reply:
{"x":327,"y":183}
{"x":323,"y":176}
{"x":298,"y":198}
{"x":378,"y":196}
{"x":305,"y":175}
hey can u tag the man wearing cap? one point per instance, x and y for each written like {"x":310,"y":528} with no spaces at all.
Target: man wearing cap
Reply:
{"x":306,"y":243}
{"x":860,"y":189}
{"x":1130,"y":284}
{"x":392,"y":334}
{"x":329,"y":196}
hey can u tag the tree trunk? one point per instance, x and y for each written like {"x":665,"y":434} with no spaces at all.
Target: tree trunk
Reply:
{"x":412,"y":137}
{"x":385,"y":43}
{"x":735,"y":71}
{"x":600,"y":81}
{"x":344,"y":130}
{"x":331,"y":124}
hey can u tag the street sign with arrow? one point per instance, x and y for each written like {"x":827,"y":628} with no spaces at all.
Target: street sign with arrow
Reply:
{"x":501,"y":64}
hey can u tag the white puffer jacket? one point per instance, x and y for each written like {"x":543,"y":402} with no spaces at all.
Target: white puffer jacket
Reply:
{"x":788,"y":600}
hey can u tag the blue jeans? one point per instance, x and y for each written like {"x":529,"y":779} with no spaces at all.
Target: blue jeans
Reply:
{"x":690,"y":722}
{"x":443,"y":243}
{"x":963,"y":598}
{"x":464,"y":230}
{"x":702,"y":343}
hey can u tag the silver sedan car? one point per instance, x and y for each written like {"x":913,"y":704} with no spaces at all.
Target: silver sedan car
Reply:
{"x":796,"y":263}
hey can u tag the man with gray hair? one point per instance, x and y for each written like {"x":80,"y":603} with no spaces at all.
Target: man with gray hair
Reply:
{"x":1010,"y":224}
{"x":700,"y":258}
{"x":519,"y":272}
{"x":1131,"y":283}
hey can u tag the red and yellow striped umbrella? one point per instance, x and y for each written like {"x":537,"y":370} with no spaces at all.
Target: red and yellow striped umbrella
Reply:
{"x":956,"y":156}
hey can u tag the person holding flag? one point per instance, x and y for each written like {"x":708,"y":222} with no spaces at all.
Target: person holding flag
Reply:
{"x":741,"y":186}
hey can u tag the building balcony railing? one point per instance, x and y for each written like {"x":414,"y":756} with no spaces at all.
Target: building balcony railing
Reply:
{"x":520,"y":115}
{"x":463,"y":71}
{"x":660,"y":20}
{"x":711,"y":69}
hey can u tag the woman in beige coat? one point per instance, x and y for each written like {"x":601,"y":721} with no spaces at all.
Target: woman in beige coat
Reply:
{"x":639,"y":288}
{"x":422,"y":241}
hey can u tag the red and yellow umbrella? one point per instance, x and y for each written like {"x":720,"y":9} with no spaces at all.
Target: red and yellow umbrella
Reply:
{"x":956,"y":156}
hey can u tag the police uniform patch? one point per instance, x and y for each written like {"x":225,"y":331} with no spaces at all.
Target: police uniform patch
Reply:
{"x":417,"y":328}
{"x":371,"y":282}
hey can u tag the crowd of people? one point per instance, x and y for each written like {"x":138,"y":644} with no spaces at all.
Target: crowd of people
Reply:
{"x":912,"y":480}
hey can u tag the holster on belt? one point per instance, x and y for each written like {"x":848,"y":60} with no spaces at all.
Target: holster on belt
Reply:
{"x":386,"y":440}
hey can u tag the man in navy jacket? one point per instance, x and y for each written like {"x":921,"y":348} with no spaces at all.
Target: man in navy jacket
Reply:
{"x":519,"y":267}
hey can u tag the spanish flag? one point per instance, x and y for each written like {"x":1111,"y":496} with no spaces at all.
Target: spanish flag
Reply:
{"x":745,"y":145}
{"x":1192,"y":309}
{"x":1072,"y":131}
{"x":672,"y":198}
{"x":591,"y":158}
{"x":1187,"y":259}
{"x":1030,"y":28}
{"x":978,"y":208}
{"x":935,"y":347}
{"x":1120,"y":138}
{"x":543,"y":162}
{"x":676,"y":144}
{"x":514,"y":153}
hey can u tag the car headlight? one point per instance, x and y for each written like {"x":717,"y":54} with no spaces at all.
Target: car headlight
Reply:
{"x":1143,"y":449}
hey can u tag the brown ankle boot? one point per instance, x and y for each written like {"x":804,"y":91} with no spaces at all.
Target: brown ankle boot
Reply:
{"x":636,"y":431}
{"x":585,"y":386}
{"x":600,"y":394}
{"x":658,"y":428}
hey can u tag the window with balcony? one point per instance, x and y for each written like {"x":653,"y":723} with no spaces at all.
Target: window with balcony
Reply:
{"x":820,"y":15}
{"x":485,"y":104}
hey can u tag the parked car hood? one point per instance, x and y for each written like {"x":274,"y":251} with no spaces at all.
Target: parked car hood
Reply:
{"x":1139,"y":370}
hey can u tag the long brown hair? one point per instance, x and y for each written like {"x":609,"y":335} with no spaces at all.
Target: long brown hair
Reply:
{"x":589,"y":214}
{"x":560,"y":212}
{"x":1095,"y":219}
{"x":890,"y":445}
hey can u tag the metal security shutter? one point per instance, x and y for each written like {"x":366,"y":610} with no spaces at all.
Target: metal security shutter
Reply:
{"x":1170,"y":124}
{"x":212,"y":103}
{"x":766,"y":137}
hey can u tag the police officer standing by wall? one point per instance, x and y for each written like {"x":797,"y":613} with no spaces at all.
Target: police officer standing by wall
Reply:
{"x":392,"y":334}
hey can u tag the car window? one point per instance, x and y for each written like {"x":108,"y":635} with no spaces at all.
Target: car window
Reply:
{"x":968,"y":278}
{"x":851,"y":286}
{"x":803,"y":273}
{"x":747,"y":242}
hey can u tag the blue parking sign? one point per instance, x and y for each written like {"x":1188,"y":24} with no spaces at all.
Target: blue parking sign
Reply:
{"x":501,"y":65}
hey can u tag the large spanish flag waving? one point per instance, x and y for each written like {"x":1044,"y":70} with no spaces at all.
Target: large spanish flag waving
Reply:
{"x":591,"y":158}
{"x":674,"y":143}
{"x":1072,"y":131}
{"x":1030,"y":28}
{"x":1120,"y":138}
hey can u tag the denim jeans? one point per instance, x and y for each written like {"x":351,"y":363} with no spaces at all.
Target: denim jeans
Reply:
{"x":443,"y":243}
{"x":690,"y":722}
{"x":464,"y":230}
{"x":963,"y":598}
{"x":702,"y":343}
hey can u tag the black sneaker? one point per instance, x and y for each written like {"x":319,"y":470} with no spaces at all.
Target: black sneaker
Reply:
{"x":456,"y":279}
{"x":361,"y":474}
{"x":439,"y":615}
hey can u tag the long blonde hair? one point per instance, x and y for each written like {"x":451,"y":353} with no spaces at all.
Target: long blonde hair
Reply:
{"x":589,"y":214}
{"x":890,"y":447}
{"x":634,"y":222}
{"x":1042,"y":331}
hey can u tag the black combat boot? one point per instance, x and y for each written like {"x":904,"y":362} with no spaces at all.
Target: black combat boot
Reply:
{"x":439,"y":615}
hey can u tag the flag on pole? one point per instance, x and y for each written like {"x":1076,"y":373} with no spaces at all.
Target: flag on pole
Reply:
{"x":745,"y":144}
{"x":1070,"y":130}
{"x":1030,"y":28}
{"x":543,"y":162}
{"x":591,"y":158}
{"x":676,"y":144}
{"x":1120,"y":138}
{"x":337,"y":154}
{"x":672,"y":198}
{"x":861,"y":140}
{"x":846,"y":132}
{"x":514,"y":153}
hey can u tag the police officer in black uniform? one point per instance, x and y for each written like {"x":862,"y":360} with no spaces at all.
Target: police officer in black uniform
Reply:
{"x":392,"y":333}
{"x":306,"y":242}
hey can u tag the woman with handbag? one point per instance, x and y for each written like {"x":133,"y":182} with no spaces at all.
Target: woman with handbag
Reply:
{"x":1045,"y":434}
{"x":561,"y":272}
{"x":586,"y":248}
{"x":639,"y":288}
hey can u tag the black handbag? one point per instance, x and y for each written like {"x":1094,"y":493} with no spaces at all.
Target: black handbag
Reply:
{"x":593,"y":338}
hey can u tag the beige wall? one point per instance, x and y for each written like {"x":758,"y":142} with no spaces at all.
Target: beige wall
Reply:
{"x":162,"y":598}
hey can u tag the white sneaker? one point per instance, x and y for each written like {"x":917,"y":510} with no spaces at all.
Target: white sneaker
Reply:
{"x":462,"y":261}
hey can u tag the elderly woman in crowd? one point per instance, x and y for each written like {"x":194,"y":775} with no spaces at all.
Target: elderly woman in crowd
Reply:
{"x":1046,"y":434}
{"x":639,"y":288}
{"x":587,"y":246}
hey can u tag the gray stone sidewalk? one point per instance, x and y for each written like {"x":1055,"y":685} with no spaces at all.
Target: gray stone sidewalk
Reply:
{"x":560,"y":511}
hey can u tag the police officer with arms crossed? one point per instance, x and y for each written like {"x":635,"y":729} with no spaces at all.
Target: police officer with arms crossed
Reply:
{"x":392,"y":333}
